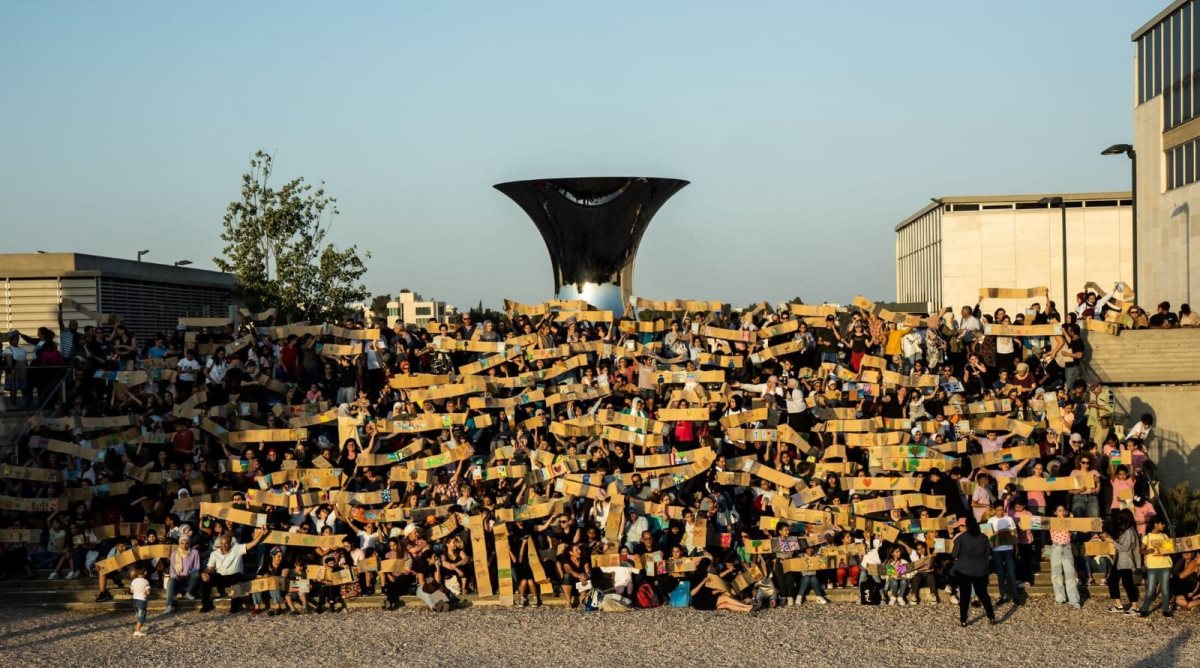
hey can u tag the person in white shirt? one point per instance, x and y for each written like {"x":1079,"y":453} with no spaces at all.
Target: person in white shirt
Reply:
{"x":1142,"y":428}
{"x":16,"y":375}
{"x":225,"y":568}
{"x":216,"y":368}
{"x":141,"y":592}
{"x":185,"y":374}
{"x":1004,"y":532}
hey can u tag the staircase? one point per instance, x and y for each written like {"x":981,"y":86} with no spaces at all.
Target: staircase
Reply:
{"x":79,"y":595}
{"x":1144,"y":356}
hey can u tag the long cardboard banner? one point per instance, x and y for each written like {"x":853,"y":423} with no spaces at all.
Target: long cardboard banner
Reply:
{"x":1022,"y":330}
{"x":267,"y":435}
{"x":1013,"y":293}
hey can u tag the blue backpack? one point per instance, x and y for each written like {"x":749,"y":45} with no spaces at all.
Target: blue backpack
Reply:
{"x":681,"y":595}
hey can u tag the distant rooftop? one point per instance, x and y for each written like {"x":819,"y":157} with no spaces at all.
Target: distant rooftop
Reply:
{"x":1029,"y":200}
{"x":36,"y":265}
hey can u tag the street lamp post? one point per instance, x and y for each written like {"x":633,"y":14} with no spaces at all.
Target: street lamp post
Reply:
{"x":1127,"y":149}
{"x":1062,"y":206}
{"x":182,"y":263}
{"x":141,"y":253}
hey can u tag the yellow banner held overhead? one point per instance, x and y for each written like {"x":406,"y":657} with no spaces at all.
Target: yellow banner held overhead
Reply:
{"x":1022,"y":330}
{"x":1013,"y":293}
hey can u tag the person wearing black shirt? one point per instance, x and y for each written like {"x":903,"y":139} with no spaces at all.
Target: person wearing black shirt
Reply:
{"x":971,"y":552}
{"x":1164,"y":319}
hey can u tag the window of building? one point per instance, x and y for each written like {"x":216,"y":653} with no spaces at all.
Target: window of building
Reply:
{"x":1189,"y":162}
{"x":1181,"y":164}
{"x":425,"y":311}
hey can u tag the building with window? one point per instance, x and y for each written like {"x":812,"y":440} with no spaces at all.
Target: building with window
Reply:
{"x":409,"y":308}
{"x":954,"y":246}
{"x":1166,"y":135}
{"x":150,"y":297}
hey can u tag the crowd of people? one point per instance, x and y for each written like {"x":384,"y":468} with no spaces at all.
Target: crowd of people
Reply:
{"x":685,"y":455}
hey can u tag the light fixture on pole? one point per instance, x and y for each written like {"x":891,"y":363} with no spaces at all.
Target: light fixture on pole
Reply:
{"x":141,"y":253}
{"x":1127,"y":149}
{"x":1062,"y":206}
{"x":182,"y":263}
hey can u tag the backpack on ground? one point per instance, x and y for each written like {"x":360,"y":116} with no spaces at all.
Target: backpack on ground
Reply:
{"x":681,"y":595}
{"x":646,"y":598}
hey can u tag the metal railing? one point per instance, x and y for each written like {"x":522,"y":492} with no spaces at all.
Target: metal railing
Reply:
{"x":1122,"y":415}
{"x":44,"y":399}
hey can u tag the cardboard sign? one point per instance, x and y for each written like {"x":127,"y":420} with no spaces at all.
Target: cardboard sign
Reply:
{"x":260,"y":585}
{"x":504,"y":573}
{"x":677,"y":458}
{"x":456,"y":454}
{"x":882,"y":483}
{"x":745,"y":417}
{"x":1181,"y":545}
{"x":813,"y":311}
{"x":407,"y":475}
{"x":1010,"y":455}
{"x":10,"y":536}
{"x":1022,"y":330}
{"x":752,"y":435}
{"x":316,"y":478}
{"x":1099,"y":548}
{"x":808,"y":564}
{"x":1068,"y":483}
{"x":614,"y":434}
{"x":369,"y":459}
{"x":295,"y":539}
{"x":415,"y":424}
{"x":1077,"y":524}
{"x":132,"y":556}
{"x":1013,"y":293}
{"x":227,"y":512}
{"x":29,"y":473}
{"x":700,"y":414}
{"x":267,"y":435}
{"x":469,"y":385}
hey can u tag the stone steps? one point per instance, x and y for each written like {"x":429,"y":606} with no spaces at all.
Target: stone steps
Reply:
{"x":79,"y":595}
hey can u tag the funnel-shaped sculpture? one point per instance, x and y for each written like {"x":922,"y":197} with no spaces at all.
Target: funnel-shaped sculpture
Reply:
{"x":592,"y":228}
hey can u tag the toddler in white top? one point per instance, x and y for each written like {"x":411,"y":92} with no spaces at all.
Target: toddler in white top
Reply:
{"x":141,"y":592}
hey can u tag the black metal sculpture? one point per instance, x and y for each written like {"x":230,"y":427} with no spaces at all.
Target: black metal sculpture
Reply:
{"x":592,"y":228}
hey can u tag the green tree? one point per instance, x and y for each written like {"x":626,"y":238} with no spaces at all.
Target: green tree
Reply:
{"x":379,"y":305}
{"x":275,"y":248}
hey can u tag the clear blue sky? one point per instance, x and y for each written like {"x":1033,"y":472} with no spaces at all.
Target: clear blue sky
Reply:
{"x":807,"y":129}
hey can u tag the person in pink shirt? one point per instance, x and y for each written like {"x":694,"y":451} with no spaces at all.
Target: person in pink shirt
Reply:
{"x":1142,"y":511}
{"x":1122,"y":487}
{"x":1036,"y":500}
{"x":991,"y":441}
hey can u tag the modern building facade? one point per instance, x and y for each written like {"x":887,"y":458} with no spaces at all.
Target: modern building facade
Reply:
{"x":409,"y":308}
{"x":954,"y":246}
{"x":150,"y":297}
{"x":1166,"y":136}
{"x":592,"y":228}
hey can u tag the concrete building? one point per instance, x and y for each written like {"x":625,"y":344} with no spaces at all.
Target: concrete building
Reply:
{"x":409,"y":308}
{"x":149,"y":296}
{"x":954,"y":246}
{"x":1166,"y":136}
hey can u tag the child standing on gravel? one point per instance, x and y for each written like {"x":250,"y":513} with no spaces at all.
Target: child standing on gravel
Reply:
{"x":141,"y":592}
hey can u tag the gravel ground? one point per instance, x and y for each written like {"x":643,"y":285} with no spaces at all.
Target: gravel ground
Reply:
{"x":1038,"y":634}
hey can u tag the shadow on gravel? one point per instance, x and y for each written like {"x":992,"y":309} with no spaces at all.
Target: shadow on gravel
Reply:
{"x":84,"y":626}
{"x":34,"y":614}
{"x":1167,"y":656}
{"x":40,"y":638}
